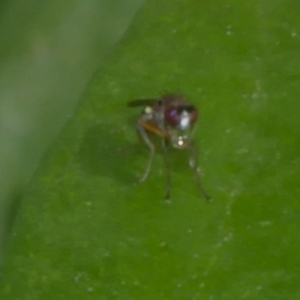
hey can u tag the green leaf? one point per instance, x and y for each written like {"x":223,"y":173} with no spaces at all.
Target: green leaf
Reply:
{"x":86,"y":230}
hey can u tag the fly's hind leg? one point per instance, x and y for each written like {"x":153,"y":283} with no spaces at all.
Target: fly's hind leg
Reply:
{"x":168,"y":170}
{"x":145,"y":137}
{"x":193,"y":162}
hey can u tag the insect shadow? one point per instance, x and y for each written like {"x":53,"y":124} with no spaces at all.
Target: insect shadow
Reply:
{"x":105,"y":151}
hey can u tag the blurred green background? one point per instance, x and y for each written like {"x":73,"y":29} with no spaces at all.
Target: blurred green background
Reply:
{"x":83,"y":228}
{"x":49,"y":51}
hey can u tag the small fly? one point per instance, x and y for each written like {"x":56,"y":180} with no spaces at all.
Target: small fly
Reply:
{"x":173,"y":119}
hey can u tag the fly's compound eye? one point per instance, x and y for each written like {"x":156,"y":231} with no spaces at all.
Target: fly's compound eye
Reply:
{"x":172,"y":116}
{"x":181,"y":117}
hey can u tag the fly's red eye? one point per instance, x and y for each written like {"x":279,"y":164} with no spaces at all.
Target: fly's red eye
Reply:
{"x":193,"y":113}
{"x":172,"y":116}
{"x":181,"y":117}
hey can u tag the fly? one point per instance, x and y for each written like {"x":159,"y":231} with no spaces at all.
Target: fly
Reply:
{"x":173,"y":119}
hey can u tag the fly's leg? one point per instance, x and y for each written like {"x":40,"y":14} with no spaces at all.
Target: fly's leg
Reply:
{"x":168,"y":170}
{"x":143,"y":133}
{"x":193,"y":162}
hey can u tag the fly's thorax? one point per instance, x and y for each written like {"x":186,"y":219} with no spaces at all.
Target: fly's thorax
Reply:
{"x":147,"y":113}
{"x":155,"y":114}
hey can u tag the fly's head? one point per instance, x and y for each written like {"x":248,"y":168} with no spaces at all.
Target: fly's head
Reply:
{"x":180,"y":119}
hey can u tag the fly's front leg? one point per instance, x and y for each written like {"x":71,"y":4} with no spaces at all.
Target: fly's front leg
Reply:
{"x":193,"y":162}
{"x":168,"y":170}
{"x":144,"y":134}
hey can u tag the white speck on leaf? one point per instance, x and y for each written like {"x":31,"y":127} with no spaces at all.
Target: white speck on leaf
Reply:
{"x":265,"y":223}
{"x":229,"y":30}
{"x":228,"y":130}
{"x":294,"y":33}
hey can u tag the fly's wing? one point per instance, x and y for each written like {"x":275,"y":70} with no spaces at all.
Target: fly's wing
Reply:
{"x":142,"y":102}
